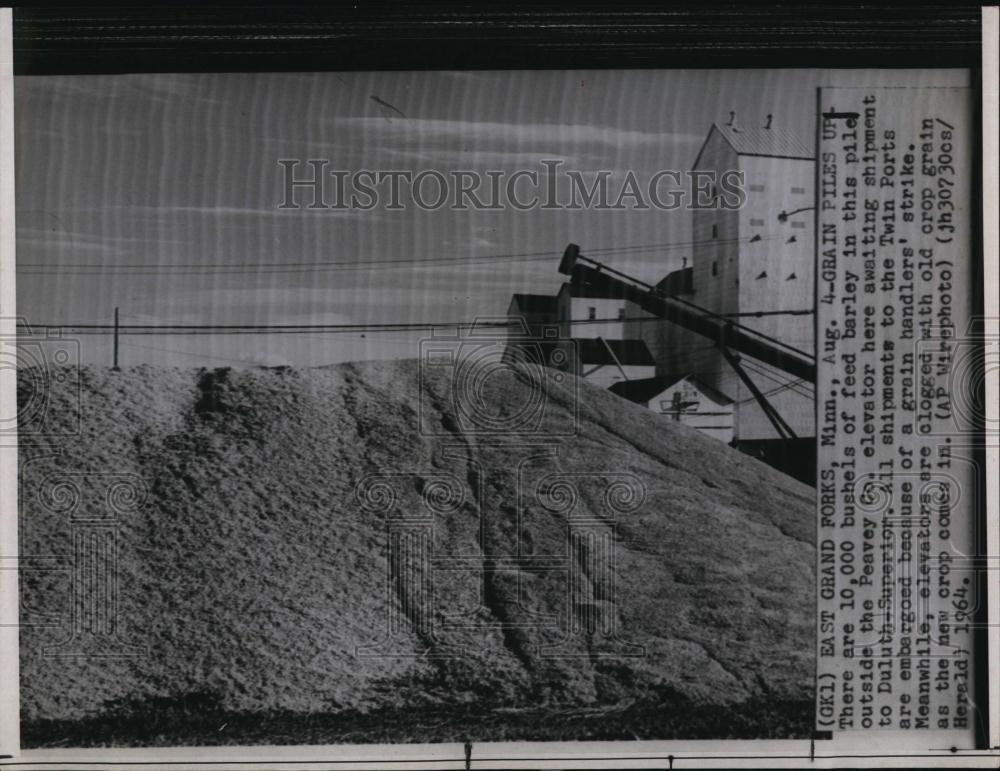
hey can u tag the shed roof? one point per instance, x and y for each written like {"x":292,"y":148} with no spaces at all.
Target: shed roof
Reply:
{"x":628,"y":352}
{"x":642,"y":390}
{"x":676,"y":282}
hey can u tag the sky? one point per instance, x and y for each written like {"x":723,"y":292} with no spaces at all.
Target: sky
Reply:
{"x":159,"y":194}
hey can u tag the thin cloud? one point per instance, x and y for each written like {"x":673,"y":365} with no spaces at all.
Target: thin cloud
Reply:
{"x":422,"y":129}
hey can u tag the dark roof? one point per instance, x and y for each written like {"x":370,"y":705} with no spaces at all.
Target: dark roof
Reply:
{"x":677,"y":282}
{"x":585,"y":290}
{"x":755,"y":140}
{"x":641,"y":390}
{"x":536,"y":303}
{"x":716,"y":396}
{"x":628,"y":352}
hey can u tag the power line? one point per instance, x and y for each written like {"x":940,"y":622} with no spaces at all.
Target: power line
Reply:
{"x":773,"y":391}
{"x":741,"y":314}
{"x":793,"y":385}
{"x":265,"y":268}
{"x":767,"y":371}
{"x":764,"y":370}
{"x":136,"y":269}
{"x":696,"y":352}
{"x":761,"y":314}
{"x":181,"y":328}
{"x":195,"y":355}
{"x":748,"y":330}
{"x":753,"y":367}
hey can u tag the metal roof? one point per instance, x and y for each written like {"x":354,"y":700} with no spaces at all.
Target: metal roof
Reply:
{"x":775,"y":142}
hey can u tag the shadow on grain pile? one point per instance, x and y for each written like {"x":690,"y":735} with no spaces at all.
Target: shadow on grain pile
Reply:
{"x":250,"y":576}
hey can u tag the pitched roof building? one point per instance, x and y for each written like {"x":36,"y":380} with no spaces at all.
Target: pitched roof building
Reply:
{"x":774,"y":142}
{"x":687,"y":400}
{"x":677,"y":282}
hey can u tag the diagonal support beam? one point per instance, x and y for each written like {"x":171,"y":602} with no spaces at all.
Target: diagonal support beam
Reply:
{"x":784,"y":430}
{"x":613,"y":357}
{"x":744,"y":340}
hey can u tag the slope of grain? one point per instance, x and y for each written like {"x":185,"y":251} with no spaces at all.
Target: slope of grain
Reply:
{"x":250,"y":575}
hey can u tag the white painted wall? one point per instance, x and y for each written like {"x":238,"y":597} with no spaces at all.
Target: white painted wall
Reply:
{"x":788,"y":184}
{"x":709,"y":417}
{"x":578,"y":309}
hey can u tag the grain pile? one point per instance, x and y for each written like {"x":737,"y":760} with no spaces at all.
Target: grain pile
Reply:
{"x":252,"y":572}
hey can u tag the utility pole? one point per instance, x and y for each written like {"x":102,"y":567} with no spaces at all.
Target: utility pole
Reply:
{"x":115,"y":365}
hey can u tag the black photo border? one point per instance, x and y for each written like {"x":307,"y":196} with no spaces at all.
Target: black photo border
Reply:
{"x":109,"y":38}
